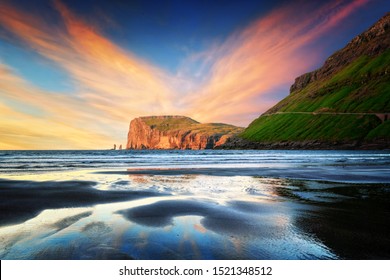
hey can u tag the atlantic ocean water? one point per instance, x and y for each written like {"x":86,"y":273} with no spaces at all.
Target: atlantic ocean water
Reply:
{"x":208,"y":204}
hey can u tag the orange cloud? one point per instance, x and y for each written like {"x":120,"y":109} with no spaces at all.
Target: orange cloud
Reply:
{"x":110,"y":72}
{"x":257,"y":60}
{"x":113,"y":86}
{"x":35,"y":119}
{"x":105,"y":74}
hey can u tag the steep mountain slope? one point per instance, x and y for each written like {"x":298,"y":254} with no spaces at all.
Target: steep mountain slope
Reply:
{"x":344,"y":104}
{"x":177,"y":132}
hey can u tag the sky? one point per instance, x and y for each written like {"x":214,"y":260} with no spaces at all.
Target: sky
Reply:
{"x":73,"y":74}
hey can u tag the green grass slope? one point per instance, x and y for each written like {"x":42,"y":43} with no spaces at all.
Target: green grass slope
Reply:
{"x":325,"y":128}
{"x":321,"y":111}
{"x":361,"y":87}
{"x":166,"y":123}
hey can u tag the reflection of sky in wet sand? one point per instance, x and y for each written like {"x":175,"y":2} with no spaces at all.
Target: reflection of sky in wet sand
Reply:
{"x":203,"y":217}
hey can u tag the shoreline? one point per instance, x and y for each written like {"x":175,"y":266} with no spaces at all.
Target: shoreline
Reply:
{"x":248,"y":146}
{"x":331,"y":174}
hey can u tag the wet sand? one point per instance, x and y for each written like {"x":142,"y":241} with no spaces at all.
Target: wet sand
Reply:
{"x":356,"y":226}
{"x":333,"y":173}
{"x":23,"y":200}
{"x":236,"y":218}
{"x":193,"y":217}
{"x":194,"y":205}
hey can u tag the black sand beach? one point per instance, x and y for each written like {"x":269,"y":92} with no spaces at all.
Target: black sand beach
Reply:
{"x":23,"y":200}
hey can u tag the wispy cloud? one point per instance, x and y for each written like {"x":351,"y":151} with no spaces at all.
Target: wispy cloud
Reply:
{"x":105,"y":74}
{"x":254,"y":62}
{"x":113,"y":85}
{"x":233,"y":82}
{"x":35,"y":119}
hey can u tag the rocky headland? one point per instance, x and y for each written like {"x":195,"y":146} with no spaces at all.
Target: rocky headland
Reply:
{"x":177,"y":132}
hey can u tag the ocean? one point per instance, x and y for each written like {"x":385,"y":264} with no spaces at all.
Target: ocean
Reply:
{"x":207,"y":204}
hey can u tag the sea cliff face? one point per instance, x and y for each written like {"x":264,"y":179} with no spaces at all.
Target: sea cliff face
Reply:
{"x":177,"y":132}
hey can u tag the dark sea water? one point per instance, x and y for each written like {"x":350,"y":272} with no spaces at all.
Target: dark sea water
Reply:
{"x":208,"y":204}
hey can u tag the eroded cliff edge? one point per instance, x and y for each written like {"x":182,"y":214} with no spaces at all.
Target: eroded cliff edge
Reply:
{"x":177,"y":132}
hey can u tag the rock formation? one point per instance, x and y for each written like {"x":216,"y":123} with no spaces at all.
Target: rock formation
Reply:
{"x":370,"y":43}
{"x":177,"y":132}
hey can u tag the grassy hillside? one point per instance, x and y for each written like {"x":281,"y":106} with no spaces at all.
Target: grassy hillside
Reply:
{"x":216,"y":128}
{"x":326,"y":128}
{"x":363,"y":86}
{"x":169,"y":123}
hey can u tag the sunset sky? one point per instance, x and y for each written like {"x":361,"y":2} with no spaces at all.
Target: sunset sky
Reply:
{"x":74,"y":73}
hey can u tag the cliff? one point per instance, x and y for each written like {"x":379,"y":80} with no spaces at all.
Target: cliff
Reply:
{"x":343,"y":104}
{"x":177,"y":132}
{"x":371,"y":43}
